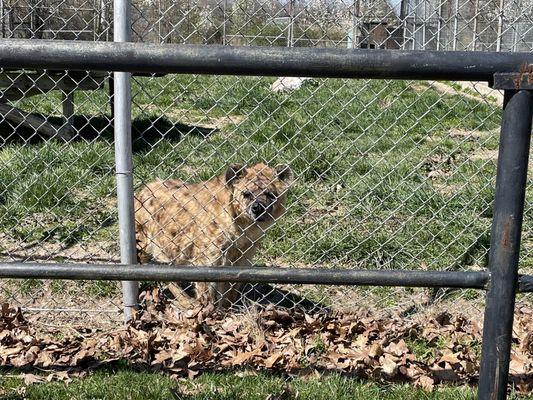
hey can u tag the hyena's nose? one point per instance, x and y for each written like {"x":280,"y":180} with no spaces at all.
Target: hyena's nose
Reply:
{"x":258,"y":208}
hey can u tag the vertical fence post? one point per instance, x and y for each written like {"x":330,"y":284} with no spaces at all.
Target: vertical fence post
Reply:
{"x":290,"y":32}
{"x":505,"y":243}
{"x":500,"y":27}
{"x":455,"y":25}
{"x":123,"y":158}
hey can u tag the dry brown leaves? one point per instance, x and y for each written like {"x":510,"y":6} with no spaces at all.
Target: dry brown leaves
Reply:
{"x":439,"y":349}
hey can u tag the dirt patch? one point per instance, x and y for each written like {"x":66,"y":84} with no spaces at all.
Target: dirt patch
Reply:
{"x":316,"y":211}
{"x":78,"y":312}
{"x":492,"y":155}
{"x":485,"y":154}
{"x":217,"y":122}
{"x":87,"y":252}
{"x":445,"y":188}
{"x":419,"y":88}
{"x":196,"y":117}
{"x":471,"y":134}
{"x":482,"y":90}
{"x":464,"y":135}
{"x":63,"y":303}
{"x":478,"y":91}
{"x":68,"y":304}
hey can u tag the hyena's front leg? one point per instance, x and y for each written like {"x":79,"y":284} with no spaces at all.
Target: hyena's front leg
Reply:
{"x":165,"y":252}
{"x":144,"y":241}
{"x":227,"y":293}
{"x":206,"y":292}
{"x":230,"y":292}
{"x":182,"y":299}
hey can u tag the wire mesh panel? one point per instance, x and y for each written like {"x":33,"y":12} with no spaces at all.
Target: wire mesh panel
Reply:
{"x":58,"y":201}
{"x":57,"y":186}
{"x":384,"y":174}
{"x":67,"y":20}
{"x":387,"y":174}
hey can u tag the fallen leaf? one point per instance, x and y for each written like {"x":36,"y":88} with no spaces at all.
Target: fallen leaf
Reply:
{"x":30,"y":379}
{"x":425,"y":382}
{"x":271,"y":360}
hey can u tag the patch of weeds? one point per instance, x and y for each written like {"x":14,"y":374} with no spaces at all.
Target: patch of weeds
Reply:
{"x":29,"y":286}
{"x":57,"y":286}
{"x":422,"y":349}
{"x":319,"y":345}
{"x":99,"y":288}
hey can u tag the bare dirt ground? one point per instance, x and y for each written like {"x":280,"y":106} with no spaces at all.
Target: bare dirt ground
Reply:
{"x":478,"y":91}
{"x":65,"y":304}
{"x":197,"y":118}
{"x":88,"y":252}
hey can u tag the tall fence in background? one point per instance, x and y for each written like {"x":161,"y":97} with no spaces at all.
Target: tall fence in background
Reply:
{"x":496,"y":25}
{"x":388,"y":174}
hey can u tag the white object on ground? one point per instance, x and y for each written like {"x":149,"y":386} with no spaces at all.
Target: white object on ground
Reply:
{"x":285,"y":84}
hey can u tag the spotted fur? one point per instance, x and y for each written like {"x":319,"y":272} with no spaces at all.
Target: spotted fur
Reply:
{"x":211,"y":223}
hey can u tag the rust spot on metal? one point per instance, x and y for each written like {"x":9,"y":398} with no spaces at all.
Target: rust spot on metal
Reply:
{"x":518,"y":78}
{"x":506,"y":234}
{"x":530,"y":74}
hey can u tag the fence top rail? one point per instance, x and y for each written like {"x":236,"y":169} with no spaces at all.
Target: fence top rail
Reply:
{"x":260,"y":61}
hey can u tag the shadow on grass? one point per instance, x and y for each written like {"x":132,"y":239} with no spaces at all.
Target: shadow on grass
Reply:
{"x":265,"y":295}
{"x":145,"y":131}
{"x":262,"y":295}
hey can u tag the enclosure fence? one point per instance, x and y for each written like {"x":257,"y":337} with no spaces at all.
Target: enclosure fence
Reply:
{"x":393,"y":172}
{"x":510,"y":72}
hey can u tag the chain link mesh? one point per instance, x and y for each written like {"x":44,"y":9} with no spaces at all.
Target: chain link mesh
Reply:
{"x":387,"y":174}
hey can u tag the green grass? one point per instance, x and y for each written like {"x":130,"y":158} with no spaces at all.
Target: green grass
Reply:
{"x":361,"y":152}
{"x":131,"y":385}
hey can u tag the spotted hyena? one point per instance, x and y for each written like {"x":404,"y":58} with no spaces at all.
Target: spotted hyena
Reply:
{"x":219,"y":222}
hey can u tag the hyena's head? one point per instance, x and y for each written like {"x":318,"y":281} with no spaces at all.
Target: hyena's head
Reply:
{"x":259,"y":192}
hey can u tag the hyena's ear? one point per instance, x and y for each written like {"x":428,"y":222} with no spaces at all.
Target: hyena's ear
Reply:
{"x":284,"y":173}
{"x":234,"y":172}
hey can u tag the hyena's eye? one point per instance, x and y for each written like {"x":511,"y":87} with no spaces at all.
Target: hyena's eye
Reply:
{"x":272,"y":195}
{"x":247,"y":194}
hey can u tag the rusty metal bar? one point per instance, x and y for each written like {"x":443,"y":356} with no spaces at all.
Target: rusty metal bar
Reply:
{"x":511,"y":180}
{"x":522,"y":80}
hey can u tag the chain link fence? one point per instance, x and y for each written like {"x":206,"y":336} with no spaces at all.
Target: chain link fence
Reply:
{"x":386,"y":174}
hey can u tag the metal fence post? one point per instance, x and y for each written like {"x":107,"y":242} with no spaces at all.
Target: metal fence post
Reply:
{"x":505,"y":243}
{"x":123,"y":157}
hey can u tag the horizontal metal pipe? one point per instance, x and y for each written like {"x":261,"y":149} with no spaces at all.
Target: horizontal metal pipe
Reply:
{"x":269,"y":61}
{"x":318,"y":276}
